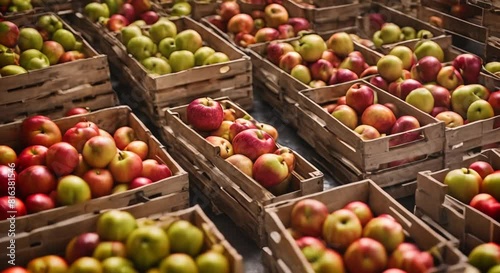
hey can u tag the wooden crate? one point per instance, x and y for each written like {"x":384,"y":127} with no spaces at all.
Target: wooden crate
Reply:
{"x":108,"y":119}
{"x":374,"y":154}
{"x":199,"y":8}
{"x":55,"y":89}
{"x":460,"y":222}
{"x":53,"y":239}
{"x":283,"y":246}
{"x":245,"y":198}
{"x":271,"y":263}
{"x":492,"y":82}
{"x":232,"y":79}
{"x":13,"y":15}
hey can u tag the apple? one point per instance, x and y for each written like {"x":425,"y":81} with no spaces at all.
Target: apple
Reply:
{"x":422,"y":99}
{"x":269,"y":169}
{"x":150,"y":17}
{"x":393,"y":108}
{"x":109,"y":249}
{"x":426,"y":69}
{"x":200,"y":55}
{"x":147,"y":246}
{"x":390,"y":67}
{"x":407,"y":86}
{"x":479,"y":110}
{"x":490,"y":185}
{"x":388,"y":232}
{"x":223,"y":130}
{"x":211,"y":261}
{"x":140,"y":6}
{"x":359,"y":97}
{"x":342,"y":75}
{"x":9,"y":34}
{"x":390,"y":33}
{"x":70,"y":56}
{"x":71,"y":190}
{"x":442,"y":96}
{"x":483,"y":168}
{"x":33,"y":59}
{"x":341,"y":44}
{"x":346,"y":115}
{"x":253,"y":143}
{"x":189,"y":40}
{"x":155,"y":171}
{"x":62,"y":158}
{"x":330,"y":56}
{"x":369,"y":71}
{"x":48,"y":264}
{"x":138,"y":147}
{"x":217,"y":57}
{"x":181,"y":9}
{"x":354,"y":62}
{"x":8,"y":56}
{"x":308,"y":216}
{"x":99,"y":151}
{"x":225,"y":147}
{"x":39,"y":130}
{"x":141,"y":47}
{"x":449,"y":78}
{"x":311,"y":47}
{"x":405,"y":54}
{"x":365,"y":255}
{"x":38,"y":202}
{"x":275,"y":50}
{"x":450,"y":119}
{"x":341,"y":228}
{"x":204,"y":114}
{"x":8,"y":180}
{"x":93,"y":11}
{"x":128,"y":11}
{"x":178,"y":262}
{"x":15,"y":269}
{"x":494,"y":100}
{"x":403,"y":124}
{"x":289,"y":60}
{"x":317,"y":84}
{"x":181,"y":60}
{"x":228,"y":9}
{"x":123,"y":136}
{"x":321,"y":70}
{"x":271,"y":130}
{"x":379,"y":82}
{"x":115,"y":225}
{"x":66,"y":38}
{"x":397,"y":258}
{"x":158,"y":31}
{"x":77,"y":111}
{"x":378,"y":116}
{"x":362,"y":211}
{"x":275,"y":15}
{"x":463,"y":184}
{"x":285,"y":31}
{"x":7,"y":155}
{"x":82,"y":245}
{"x":485,"y":256}
{"x":425,"y":48}
{"x":100,"y":182}
{"x":87,"y":124}
{"x":125,"y":166}
{"x":36,"y":179}
{"x":139,"y":182}
{"x":29,"y":38}
{"x":479,"y":201}
{"x":464,"y":96}
{"x":367,"y":132}
{"x":86,"y":264}
{"x":469,"y":66}
{"x":241,"y":162}
{"x":6,"y":209}
{"x":53,"y":50}
{"x":117,"y":264}
{"x":289,"y":157}
{"x":78,"y":136}
{"x":184,"y":229}
{"x":240,"y":23}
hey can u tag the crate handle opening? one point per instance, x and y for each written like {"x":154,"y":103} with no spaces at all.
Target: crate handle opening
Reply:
{"x":275,"y":236}
{"x":224,"y":69}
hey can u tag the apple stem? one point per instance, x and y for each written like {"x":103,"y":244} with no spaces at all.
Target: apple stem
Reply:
{"x":120,"y":155}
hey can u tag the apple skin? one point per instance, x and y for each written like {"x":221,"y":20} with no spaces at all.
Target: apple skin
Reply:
{"x":82,"y":245}
{"x":321,"y":70}
{"x":125,"y":166}
{"x":354,"y":62}
{"x":362,"y":211}
{"x":115,"y":225}
{"x":153,"y":243}
{"x":299,"y":24}
{"x":469,"y":66}
{"x":485,"y":256}
{"x":426,"y":69}
{"x":241,"y":162}
{"x":403,"y":124}
{"x":185,"y":229}
{"x":225,"y":146}
{"x":123,"y":136}
{"x":422,"y":99}
{"x":346,"y":115}
{"x":228,"y":9}
{"x":289,"y":60}
{"x":405,"y":54}
{"x":40,"y":130}
{"x":99,"y":151}
{"x":449,"y":78}
{"x":359,"y":97}
{"x":390,"y":67}
{"x":109,"y":249}
{"x":8,"y":180}
{"x":240,"y":23}
{"x":490,"y":185}
{"x":379,"y":82}
{"x":48,"y":264}
{"x":494,"y":100}
{"x":275,"y":50}
{"x":270,"y":169}
{"x":244,"y":39}
{"x":268,"y":128}
{"x":7,"y":155}
{"x":178,"y":262}
{"x":388,"y":232}
{"x":266,"y":34}
{"x":5,"y":207}
{"x":9,"y":34}
{"x":53,"y":50}
{"x":138,"y":147}
{"x":483,"y":168}
{"x":331,"y":261}
{"x":450,"y":119}
{"x":479,"y":110}
{"x":379,"y":116}
{"x":62,"y":158}
{"x":15,"y":269}
{"x":340,"y":43}
{"x":70,"y":56}
{"x":36,"y":179}
{"x":253,"y":143}
{"x":78,"y":136}
{"x":311,"y":47}
{"x":463,"y":96}
{"x":31,"y":155}
{"x":100,"y":182}
{"x":365,"y":255}
{"x":82,"y":166}
{"x":396,"y":258}
{"x":463,"y":184}
{"x":342,"y":75}
{"x":367,"y":132}
{"x":275,"y":15}
{"x":38,"y":202}
{"x":289,"y":157}
{"x":286,"y":31}
{"x":204,"y":114}
{"x":308,"y":216}
{"x":442,"y":96}
{"x":71,"y":190}
{"x":155,"y":171}
{"x":341,"y":228}
{"x":406,"y":86}
{"x":480,"y":200}
{"x":189,"y":40}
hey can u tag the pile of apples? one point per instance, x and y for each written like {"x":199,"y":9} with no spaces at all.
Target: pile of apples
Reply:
{"x":260,"y":26}
{"x":57,"y":168}
{"x":247,"y":144}
{"x":30,"y":48}
{"x":486,"y":257}
{"x":449,"y":92}
{"x":390,"y":33}
{"x":352,"y":239}
{"x":318,"y":63}
{"x":122,"y":243}
{"x":15,"y":6}
{"x":478,"y":185}
{"x":116,"y":14}
{"x":162,"y":49}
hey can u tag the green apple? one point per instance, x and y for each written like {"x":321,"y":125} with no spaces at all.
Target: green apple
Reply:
{"x":129,"y":32}
{"x":424,"y":34}
{"x":10,"y":70}
{"x":115,"y":225}
{"x":212,"y":261}
{"x":141,"y":47}
{"x":29,"y":38}
{"x":409,"y":33}
{"x":21,"y":5}
{"x":485,"y":256}
{"x":390,"y":67}
{"x":390,"y":33}
{"x":117,"y":265}
{"x":109,"y":249}
{"x":428,"y":48}
{"x":185,"y":238}
{"x":49,"y":22}
{"x":494,"y":269}
{"x":139,"y":23}
{"x":65,"y":38}
{"x":114,"y":5}
{"x":202,"y":54}
{"x":311,"y":47}
{"x":167,"y":46}
{"x":32,"y":59}
{"x":341,"y":43}
{"x":85,"y":265}
{"x":465,"y":95}
{"x":181,"y":9}
{"x":162,"y":29}
{"x":147,"y":245}
{"x":492,"y":67}
{"x":95,"y":10}
{"x":217,"y":57}
{"x":463,"y":184}
{"x":181,"y":60}
{"x":188,"y":39}
{"x":479,"y":110}
{"x":178,"y":262}
{"x":8,"y":56}
{"x":71,"y":190}
{"x":301,"y":73}
{"x":422,"y":99}
{"x":405,"y":54}
{"x":156,"y":66}
{"x":377,"y":41}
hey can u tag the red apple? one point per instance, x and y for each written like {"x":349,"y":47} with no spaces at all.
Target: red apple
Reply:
{"x":82,"y":245}
{"x":31,"y":155}
{"x":321,"y":70}
{"x":483,"y":168}
{"x":275,"y":50}
{"x":286,"y":31}
{"x":76,"y":111}
{"x":289,"y":60}
{"x":155,"y":171}
{"x":225,"y":146}
{"x":359,"y":97}
{"x":426,"y":69}
{"x":140,"y":6}
{"x":150,"y":17}
{"x":62,"y":158}
{"x":228,"y":9}
{"x":380,"y":83}
{"x":217,"y":21}
{"x":125,"y":166}
{"x":404,"y":124}
{"x":243,"y":163}
{"x":367,"y":132}
{"x":240,"y":23}
{"x":9,"y":34}
{"x":116,"y":22}
{"x":380,"y":117}
{"x":123,"y":136}
{"x":244,"y":39}
{"x":494,"y":100}
{"x":38,"y":202}
{"x":396,"y":258}
{"x":330,"y":56}
{"x":47,"y":263}
{"x":100,"y":182}
{"x":406,"y":86}
{"x":87,"y":124}
{"x":253,"y":143}
{"x":36,"y":179}
{"x":491,"y":185}
{"x":139,"y":182}
{"x":341,"y":228}
{"x":77,"y":136}
{"x":82,"y":166}
{"x":365,"y":255}
{"x":342,"y":75}
{"x":269,"y":169}
{"x":40,"y":130}
{"x":354,"y":62}
{"x":7,"y":211}
{"x":299,"y":24}
{"x":308,"y":216}
{"x":469,"y":66}
{"x":8,"y":180}
{"x":442,"y":96}
{"x":128,"y":11}
{"x":138,"y":147}
{"x":70,"y":56}
{"x":362,"y":211}
{"x":393,"y":108}
{"x":204,"y":114}
{"x":388,"y":232}
{"x":99,"y":151}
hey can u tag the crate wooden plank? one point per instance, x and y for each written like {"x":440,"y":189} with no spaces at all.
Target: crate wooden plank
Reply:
{"x":492,"y":53}
{"x":283,"y":245}
{"x":459,"y":220}
{"x":272,"y":264}
{"x":108,"y":119}
{"x":53,"y":239}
